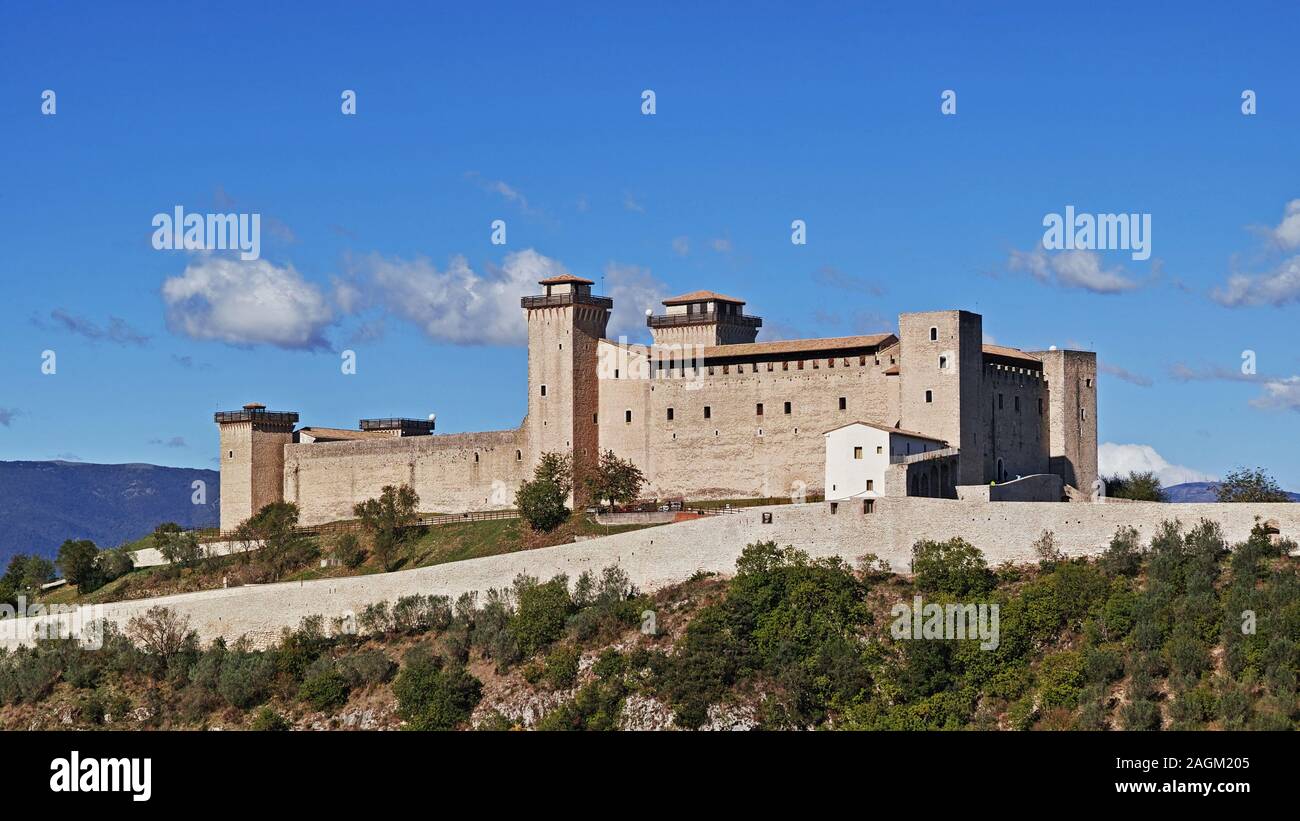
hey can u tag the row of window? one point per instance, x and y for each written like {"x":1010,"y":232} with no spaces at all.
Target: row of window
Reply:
{"x":786,"y":408}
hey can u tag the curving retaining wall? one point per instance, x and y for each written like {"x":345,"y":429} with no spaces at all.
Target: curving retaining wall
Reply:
{"x":660,"y":556}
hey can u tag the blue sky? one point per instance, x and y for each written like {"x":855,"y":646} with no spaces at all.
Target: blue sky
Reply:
{"x":376,"y":227}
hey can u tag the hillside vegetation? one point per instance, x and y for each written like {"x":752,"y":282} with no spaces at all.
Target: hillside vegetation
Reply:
{"x":1178,"y":633}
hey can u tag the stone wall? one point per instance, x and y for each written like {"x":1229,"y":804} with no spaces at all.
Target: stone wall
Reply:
{"x":660,"y":556}
{"x":451,"y":473}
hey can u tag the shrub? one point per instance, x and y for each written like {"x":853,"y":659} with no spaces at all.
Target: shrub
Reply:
{"x":385,"y":517}
{"x":434,"y":695}
{"x":366,"y":668}
{"x":348,"y":551}
{"x":542,"y":613}
{"x":268,"y":720}
{"x":324,"y":690}
{"x":955,"y":567}
{"x":561,"y":671}
{"x":245,"y":679}
{"x":1060,"y":678}
{"x":115,"y":563}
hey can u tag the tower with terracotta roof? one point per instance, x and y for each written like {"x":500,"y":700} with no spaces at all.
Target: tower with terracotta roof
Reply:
{"x":565,"y":325}
{"x":704,"y":318}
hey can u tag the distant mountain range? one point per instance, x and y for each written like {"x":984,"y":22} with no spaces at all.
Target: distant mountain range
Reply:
{"x":1202,"y":492}
{"x":44,"y":503}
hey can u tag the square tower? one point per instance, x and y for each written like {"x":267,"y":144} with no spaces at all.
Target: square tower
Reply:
{"x":252,"y":459}
{"x":1072,"y":415}
{"x":703,"y":318}
{"x":565,"y":325}
{"x":939,"y":381}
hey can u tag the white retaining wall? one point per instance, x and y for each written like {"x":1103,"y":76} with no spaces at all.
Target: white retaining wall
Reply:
{"x":660,"y":556}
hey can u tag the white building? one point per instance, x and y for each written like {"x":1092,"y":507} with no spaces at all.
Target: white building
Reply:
{"x":859,"y":454}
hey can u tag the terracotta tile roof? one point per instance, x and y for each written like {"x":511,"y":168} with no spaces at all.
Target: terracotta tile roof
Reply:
{"x":563,"y":278}
{"x":835,"y":343}
{"x":887,"y":428}
{"x":1012,"y":353}
{"x":702,"y":296}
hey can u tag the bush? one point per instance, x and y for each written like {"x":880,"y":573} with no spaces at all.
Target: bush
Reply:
{"x":268,"y":720}
{"x":955,"y":567}
{"x":115,"y":563}
{"x":366,"y":668}
{"x":561,"y":670}
{"x":434,"y":695}
{"x":384,"y":518}
{"x":324,"y":690}
{"x":542,"y":505}
{"x":348,"y":551}
{"x":543,"y":611}
{"x":245,"y":679}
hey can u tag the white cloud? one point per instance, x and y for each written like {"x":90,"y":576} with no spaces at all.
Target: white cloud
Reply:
{"x":1113,"y":459}
{"x":457,"y":304}
{"x":1279,"y":394}
{"x":506,"y":191}
{"x":1287,"y":233}
{"x":681,"y":246}
{"x":1277,"y":288}
{"x":246,"y":303}
{"x":630,"y":203}
{"x":1072,"y":269}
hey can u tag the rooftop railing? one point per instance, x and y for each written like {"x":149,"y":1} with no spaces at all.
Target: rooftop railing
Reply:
{"x":557,"y":300}
{"x":254,"y":415}
{"x":673,"y":320}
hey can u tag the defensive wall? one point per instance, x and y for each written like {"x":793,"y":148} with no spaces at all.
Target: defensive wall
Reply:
{"x":661,"y":556}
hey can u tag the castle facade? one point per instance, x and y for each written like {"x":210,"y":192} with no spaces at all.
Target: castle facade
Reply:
{"x":706,"y":412}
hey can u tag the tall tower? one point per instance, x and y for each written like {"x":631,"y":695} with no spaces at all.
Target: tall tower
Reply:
{"x":703,"y":318}
{"x":939,"y":378}
{"x":565,"y":325}
{"x":1072,"y":415}
{"x":252,"y":459}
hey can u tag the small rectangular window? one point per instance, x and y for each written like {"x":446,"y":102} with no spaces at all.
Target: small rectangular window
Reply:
{"x":758,"y":409}
{"x":1040,"y":406}
{"x":708,"y":412}
{"x":999,"y":401}
{"x":934,"y":334}
{"x":627,"y":417}
{"x":871,"y":484}
{"x":1017,"y":404}
{"x":787,"y":407}
{"x":880,"y":449}
{"x":857,"y":452}
{"x":835,"y":507}
{"x":844,"y":403}
{"x":929,"y":396}
{"x":868,"y":505}
{"x":543,"y":390}
{"x":670,"y":414}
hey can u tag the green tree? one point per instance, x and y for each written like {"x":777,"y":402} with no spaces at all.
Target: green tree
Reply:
{"x":77,"y":561}
{"x":1140,"y":486}
{"x":178,"y":546}
{"x":615,"y":479}
{"x":283,"y":547}
{"x":1245,"y":485}
{"x":542,"y":501}
{"x":384,"y":518}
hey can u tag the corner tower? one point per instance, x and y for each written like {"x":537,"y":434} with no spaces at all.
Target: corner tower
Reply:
{"x":703,"y":318}
{"x":565,"y":325}
{"x":1072,"y":415}
{"x":252,"y":459}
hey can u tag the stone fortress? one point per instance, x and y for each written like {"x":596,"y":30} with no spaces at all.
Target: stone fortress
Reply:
{"x":706,"y":412}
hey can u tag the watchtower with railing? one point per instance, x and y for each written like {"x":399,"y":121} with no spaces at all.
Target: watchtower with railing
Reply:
{"x":252,"y":459}
{"x":703,"y":318}
{"x":565,"y":325}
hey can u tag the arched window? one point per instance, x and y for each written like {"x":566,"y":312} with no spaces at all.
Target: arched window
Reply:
{"x":519,"y":456}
